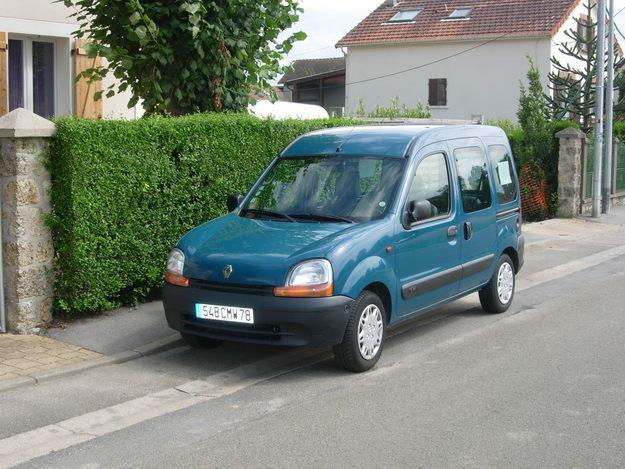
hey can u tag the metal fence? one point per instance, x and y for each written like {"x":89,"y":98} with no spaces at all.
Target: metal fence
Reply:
{"x":619,"y":168}
{"x":618,"y":165}
{"x":589,"y":168}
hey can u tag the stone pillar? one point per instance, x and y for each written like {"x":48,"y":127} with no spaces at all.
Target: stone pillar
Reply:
{"x":570,"y":169}
{"x":27,"y":248}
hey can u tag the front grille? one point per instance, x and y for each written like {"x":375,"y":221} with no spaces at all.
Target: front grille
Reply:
{"x":260,"y":290}
{"x":258,"y":333}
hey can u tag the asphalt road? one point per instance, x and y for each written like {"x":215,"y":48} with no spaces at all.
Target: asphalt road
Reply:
{"x":542,"y":385}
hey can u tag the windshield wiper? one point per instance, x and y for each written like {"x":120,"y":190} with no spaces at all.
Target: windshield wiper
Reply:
{"x":268,"y":213}
{"x":320,"y":217}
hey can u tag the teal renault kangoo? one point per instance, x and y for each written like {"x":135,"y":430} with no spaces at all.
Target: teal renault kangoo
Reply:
{"x":350,"y":232}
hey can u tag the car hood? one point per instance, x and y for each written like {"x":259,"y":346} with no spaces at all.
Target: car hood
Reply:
{"x":261,"y":252}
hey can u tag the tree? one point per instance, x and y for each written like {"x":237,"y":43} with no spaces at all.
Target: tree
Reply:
{"x":535,"y":145}
{"x":619,"y":107}
{"x":533,"y":116}
{"x":572,"y":78}
{"x":185,"y":56}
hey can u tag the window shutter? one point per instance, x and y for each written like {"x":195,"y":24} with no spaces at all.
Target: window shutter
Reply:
{"x":4,"y":76}
{"x":86,"y":106}
{"x":442,"y":96}
{"x":433,"y":99}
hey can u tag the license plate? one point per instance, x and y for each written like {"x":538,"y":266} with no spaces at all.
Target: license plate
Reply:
{"x":225,"y":313}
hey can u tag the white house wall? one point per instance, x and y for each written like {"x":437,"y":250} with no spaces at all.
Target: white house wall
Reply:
{"x":561,"y":37}
{"x":49,"y":19}
{"x":484,"y":81}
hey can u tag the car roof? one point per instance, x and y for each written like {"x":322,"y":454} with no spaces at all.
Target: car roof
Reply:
{"x":381,"y":140}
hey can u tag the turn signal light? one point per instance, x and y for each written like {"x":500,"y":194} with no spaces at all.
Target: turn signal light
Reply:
{"x":305,"y":291}
{"x":176,"y":279}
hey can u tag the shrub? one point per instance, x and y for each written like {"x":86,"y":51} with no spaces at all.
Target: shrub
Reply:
{"x":619,"y":131}
{"x":123,"y":192}
{"x":395,"y":111}
{"x":507,"y":125}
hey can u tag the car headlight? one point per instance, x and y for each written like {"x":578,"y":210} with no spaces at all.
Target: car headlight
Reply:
{"x":175,"y":266}
{"x":312,"y":278}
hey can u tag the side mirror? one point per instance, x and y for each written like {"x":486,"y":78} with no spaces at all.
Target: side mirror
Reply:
{"x":419,"y":211}
{"x":233,"y":201}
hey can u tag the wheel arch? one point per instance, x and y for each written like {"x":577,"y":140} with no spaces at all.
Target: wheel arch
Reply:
{"x":382,"y":291}
{"x":513,"y":255}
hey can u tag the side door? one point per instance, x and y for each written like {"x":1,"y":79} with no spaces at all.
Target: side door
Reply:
{"x":478,"y":226}
{"x":427,"y":248}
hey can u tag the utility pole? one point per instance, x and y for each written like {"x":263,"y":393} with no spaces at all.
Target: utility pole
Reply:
{"x":609,"y":96}
{"x":596,"y":179}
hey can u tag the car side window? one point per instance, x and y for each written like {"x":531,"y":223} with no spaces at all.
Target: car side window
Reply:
{"x":430,"y":189}
{"x":473,"y":178}
{"x":505,"y":184}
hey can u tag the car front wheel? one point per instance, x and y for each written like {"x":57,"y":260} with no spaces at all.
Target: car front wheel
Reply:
{"x":364,"y":336}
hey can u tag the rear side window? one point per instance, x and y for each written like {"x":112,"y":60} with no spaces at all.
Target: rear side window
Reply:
{"x":473,"y":178}
{"x":505,"y":183}
{"x":431,"y":183}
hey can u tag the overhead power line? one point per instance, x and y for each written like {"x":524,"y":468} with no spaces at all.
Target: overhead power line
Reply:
{"x":451,"y":56}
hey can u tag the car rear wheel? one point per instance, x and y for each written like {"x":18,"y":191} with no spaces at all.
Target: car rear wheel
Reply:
{"x":364,"y":336}
{"x":496,"y":297}
{"x":200,"y":342}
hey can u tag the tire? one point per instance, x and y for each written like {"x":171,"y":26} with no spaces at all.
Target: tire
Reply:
{"x":492,"y":301}
{"x":200,"y":342}
{"x":349,"y":354}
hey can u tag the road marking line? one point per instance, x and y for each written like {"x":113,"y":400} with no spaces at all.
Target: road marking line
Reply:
{"x":23,"y":447}
{"x":569,"y":268}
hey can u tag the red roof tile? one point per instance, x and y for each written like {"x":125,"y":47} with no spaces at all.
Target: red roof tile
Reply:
{"x":489,"y":18}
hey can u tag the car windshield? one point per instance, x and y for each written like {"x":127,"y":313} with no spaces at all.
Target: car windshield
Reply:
{"x":336,"y":189}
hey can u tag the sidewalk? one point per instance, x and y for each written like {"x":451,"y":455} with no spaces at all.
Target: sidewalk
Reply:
{"x":129,"y":333}
{"x":23,"y":355}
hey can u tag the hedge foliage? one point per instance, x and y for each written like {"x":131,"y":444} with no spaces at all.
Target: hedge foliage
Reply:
{"x":619,"y":131}
{"x":123,"y":192}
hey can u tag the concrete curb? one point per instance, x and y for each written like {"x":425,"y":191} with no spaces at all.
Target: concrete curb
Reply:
{"x":151,"y":348}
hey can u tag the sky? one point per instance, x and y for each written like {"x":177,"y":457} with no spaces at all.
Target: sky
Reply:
{"x":327,"y":21}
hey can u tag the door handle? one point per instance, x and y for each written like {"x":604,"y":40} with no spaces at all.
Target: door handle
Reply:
{"x":452,"y":232}
{"x":468,"y":230}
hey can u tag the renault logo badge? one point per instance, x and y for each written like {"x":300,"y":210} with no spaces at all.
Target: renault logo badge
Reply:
{"x":227,"y":271}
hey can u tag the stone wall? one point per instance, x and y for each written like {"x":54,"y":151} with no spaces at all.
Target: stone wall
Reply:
{"x":27,"y":247}
{"x":570,"y":167}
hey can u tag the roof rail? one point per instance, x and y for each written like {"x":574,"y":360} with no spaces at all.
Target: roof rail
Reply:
{"x":400,"y":121}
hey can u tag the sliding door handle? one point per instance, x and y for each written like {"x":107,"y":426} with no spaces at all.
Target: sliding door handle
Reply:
{"x":468,"y":230}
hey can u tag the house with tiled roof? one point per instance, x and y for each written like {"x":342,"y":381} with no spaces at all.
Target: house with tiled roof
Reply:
{"x":317,"y":81}
{"x":40,"y":58}
{"x":464,"y":58}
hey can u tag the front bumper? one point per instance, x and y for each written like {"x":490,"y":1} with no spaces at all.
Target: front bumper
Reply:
{"x":277,"y":321}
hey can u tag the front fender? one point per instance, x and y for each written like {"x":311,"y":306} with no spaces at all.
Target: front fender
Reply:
{"x":370,"y":270}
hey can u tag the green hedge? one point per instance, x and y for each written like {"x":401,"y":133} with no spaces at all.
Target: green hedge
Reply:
{"x":123,"y":192}
{"x":619,"y":131}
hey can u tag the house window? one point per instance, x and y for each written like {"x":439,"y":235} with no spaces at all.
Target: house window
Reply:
{"x":405,"y":16}
{"x":460,"y":14}
{"x":16,"y":75}
{"x":32,"y":76}
{"x":438,"y":92}
{"x":585,"y":30}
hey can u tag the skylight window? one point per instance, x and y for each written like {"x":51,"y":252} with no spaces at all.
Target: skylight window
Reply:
{"x":405,"y":16}
{"x":460,"y":14}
